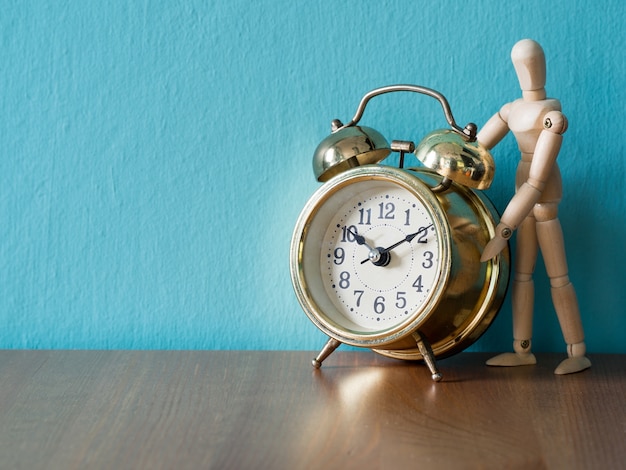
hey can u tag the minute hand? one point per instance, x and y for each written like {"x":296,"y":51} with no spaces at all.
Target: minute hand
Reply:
{"x":406,"y":239}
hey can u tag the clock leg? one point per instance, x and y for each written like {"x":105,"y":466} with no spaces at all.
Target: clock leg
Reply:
{"x":429,"y":357}
{"x":326,"y":351}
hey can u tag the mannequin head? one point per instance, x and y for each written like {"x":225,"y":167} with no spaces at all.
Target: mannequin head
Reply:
{"x":530,"y":65}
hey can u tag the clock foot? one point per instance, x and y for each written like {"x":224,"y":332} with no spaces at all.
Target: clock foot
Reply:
{"x":326,"y":351}
{"x":429,"y":357}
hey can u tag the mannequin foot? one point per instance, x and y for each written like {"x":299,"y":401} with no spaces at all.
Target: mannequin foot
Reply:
{"x":513,"y":359}
{"x":572,"y":365}
{"x":576,"y":361}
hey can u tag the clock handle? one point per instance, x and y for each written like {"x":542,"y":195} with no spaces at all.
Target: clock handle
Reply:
{"x":429,"y":357}
{"x":469,"y":132}
{"x":326,"y":351}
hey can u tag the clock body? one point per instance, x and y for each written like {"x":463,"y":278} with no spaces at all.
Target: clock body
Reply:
{"x":378,"y":259}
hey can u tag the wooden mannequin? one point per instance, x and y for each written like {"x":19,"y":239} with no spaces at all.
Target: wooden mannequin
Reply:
{"x":537,"y":124}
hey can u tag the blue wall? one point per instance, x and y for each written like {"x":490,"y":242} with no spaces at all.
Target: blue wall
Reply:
{"x":155,"y":155}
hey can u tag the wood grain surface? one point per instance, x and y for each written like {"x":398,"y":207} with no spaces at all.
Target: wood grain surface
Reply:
{"x":272,"y":410}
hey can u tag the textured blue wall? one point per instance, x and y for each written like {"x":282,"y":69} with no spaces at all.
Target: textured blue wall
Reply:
{"x":155,"y":155}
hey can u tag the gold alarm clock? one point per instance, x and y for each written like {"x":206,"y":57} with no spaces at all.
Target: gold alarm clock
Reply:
{"x":388,"y":258}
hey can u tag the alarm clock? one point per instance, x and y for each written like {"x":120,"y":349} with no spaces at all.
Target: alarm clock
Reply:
{"x":387,"y":257}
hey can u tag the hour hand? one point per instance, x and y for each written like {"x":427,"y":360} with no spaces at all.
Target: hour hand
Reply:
{"x":374,"y":254}
{"x":360,"y":239}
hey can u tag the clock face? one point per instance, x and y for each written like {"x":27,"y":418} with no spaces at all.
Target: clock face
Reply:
{"x":380,"y":255}
{"x":371,"y":255}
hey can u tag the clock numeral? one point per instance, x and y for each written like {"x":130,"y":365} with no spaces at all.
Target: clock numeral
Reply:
{"x":348,"y":233}
{"x":358,"y":294}
{"x":379,"y":304}
{"x":408,"y":217}
{"x":386,"y":210}
{"x":400,"y":299}
{"x":418,"y":284}
{"x":423,"y":236}
{"x":366,"y":217}
{"x":428,"y":262}
{"x":344,"y":280}
{"x":340,"y":256}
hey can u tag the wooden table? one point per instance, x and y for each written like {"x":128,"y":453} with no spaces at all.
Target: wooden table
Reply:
{"x":272,"y":410}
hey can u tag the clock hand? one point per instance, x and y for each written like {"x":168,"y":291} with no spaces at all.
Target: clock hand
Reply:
{"x":360,"y":239}
{"x":374,"y":254}
{"x":407,"y":239}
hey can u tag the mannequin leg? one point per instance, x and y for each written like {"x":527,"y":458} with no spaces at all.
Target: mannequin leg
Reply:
{"x":550,"y":236}
{"x":523,"y":295}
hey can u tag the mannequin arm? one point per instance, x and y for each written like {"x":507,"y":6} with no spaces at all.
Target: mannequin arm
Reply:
{"x":517,"y":210}
{"x":494,"y":129}
{"x":528,"y":194}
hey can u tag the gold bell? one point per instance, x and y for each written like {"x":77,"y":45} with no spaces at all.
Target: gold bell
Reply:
{"x":457,"y":158}
{"x":348,"y":147}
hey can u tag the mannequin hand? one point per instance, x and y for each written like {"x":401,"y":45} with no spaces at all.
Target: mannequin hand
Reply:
{"x":497,"y":243}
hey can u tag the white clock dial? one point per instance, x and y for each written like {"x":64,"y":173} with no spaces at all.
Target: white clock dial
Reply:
{"x":380,"y":256}
{"x":372,"y":255}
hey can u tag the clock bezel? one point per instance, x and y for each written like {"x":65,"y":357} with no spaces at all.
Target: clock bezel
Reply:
{"x":305,"y":256}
